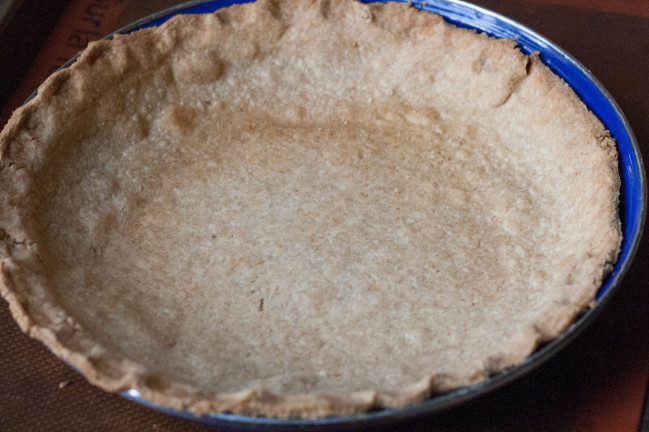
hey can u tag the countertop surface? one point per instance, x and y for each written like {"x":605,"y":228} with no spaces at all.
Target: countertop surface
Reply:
{"x":595,"y":384}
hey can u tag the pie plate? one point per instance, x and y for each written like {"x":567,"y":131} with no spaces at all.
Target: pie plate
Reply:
{"x":631,"y":209}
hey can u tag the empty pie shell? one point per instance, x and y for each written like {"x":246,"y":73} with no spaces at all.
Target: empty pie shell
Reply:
{"x":303,"y":209}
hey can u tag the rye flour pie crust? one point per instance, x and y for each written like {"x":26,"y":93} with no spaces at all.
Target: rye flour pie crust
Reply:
{"x":303,"y":209}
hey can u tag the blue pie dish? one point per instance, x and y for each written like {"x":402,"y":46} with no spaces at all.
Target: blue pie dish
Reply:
{"x":631,"y":208}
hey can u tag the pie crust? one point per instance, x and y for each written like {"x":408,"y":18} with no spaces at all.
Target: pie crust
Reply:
{"x":303,"y":209}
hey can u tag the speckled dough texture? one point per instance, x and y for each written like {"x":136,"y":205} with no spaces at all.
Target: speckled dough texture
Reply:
{"x":302,"y":209}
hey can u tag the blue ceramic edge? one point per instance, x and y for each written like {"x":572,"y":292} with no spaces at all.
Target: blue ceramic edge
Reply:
{"x":632,"y":210}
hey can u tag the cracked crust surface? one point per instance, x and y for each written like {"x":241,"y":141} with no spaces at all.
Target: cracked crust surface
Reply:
{"x":303,"y":209}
